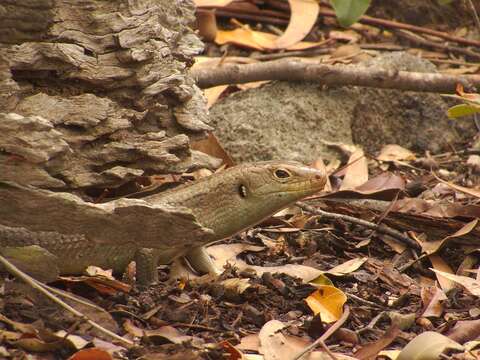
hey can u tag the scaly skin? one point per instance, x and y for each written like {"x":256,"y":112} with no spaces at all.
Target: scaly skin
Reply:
{"x":227,"y":202}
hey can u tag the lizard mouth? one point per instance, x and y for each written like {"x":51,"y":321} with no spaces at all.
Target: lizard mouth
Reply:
{"x":305,"y":187}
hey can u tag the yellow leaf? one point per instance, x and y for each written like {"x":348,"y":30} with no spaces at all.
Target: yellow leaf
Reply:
{"x":246,"y":37}
{"x":321,"y":280}
{"x":327,"y":301}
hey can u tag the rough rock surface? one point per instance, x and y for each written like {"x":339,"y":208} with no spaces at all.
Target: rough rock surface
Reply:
{"x":292,"y":120}
{"x":94,"y":93}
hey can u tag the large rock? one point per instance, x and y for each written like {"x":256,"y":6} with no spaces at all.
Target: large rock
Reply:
{"x":293,"y":120}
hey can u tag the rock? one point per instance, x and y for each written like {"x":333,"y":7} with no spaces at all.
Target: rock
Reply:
{"x":291,"y":120}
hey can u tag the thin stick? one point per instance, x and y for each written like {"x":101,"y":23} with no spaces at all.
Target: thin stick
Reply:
{"x":279,"y":18}
{"x":381,"y":228}
{"x":474,"y":11}
{"x":445,"y":47}
{"x":35,"y":284}
{"x":321,"y":340}
{"x":68,"y":296}
{"x":298,"y":70}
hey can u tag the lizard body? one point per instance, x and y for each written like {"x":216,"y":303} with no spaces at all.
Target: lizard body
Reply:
{"x":227,"y":202}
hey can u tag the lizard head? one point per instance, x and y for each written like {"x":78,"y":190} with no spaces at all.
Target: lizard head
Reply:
{"x":279,"y":183}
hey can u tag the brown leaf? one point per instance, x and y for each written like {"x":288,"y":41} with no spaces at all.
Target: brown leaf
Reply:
{"x":303,"y":16}
{"x":432,"y":298}
{"x":394,"y":152}
{"x":431,"y":247}
{"x":356,"y":172}
{"x":471,"y":285}
{"x":464,"y":331}
{"x":91,"y":354}
{"x":369,"y":351}
{"x":385,"y":186}
{"x":224,"y":253}
{"x":472,"y":192}
{"x":439,"y":264}
{"x":347,"y":267}
{"x":212,"y":146}
{"x":427,"y":346}
{"x":206,"y":24}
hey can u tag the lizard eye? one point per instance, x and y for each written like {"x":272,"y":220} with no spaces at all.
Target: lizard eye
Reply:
{"x":242,"y":191}
{"x":281,"y":173}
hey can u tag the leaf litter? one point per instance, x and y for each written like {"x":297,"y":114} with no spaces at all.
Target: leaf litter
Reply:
{"x":261,"y":306}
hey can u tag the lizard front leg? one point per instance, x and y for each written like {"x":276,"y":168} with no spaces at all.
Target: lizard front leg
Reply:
{"x":146,"y":261}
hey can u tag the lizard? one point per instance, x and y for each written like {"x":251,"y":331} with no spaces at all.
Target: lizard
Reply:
{"x":227,"y":202}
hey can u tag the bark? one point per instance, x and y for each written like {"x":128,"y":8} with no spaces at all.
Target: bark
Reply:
{"x":103,"y":84}
{"x":94,"y":94}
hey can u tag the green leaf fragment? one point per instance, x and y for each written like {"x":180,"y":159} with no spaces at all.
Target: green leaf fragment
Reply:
{"x":349,"y":11}
{"x":462,"y":110}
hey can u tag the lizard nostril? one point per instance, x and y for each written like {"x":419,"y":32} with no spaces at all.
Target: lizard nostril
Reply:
{"x":318,"y":177}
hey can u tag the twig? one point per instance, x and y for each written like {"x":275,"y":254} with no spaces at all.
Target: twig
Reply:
{"x":35,"y":284}
{"x":446,"y":47}
{"x":280,"y":19}
{"x":67,"y":295}
{"x":298,"y":53}
{"x":323,"y":51}
{"x":298,"y":70}
{"x":365,"y":19}
{"x":474,"y":11}
{"x":369,"y":303}
{"x":381,"y":228}
{"x":238,"y":14}
{"x":321,"y":340}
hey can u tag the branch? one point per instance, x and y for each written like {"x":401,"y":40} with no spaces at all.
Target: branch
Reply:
{"x":42,"y":288}
{"x":296,"y":70}
{"x":381,"y":228}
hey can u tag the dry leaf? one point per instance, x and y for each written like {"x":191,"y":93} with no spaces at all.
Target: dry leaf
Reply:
{"x":221,"y":254}
{"x":213,"y":94}
{"x":471,"y":192}
{"x":212,"y":147}
{"x":430,"y":247}
{"x":206,"y":24}
{"x":346,"y":35}
{"x":246,"y":37}
{"x":369,"y":351}
{"x":356,"y":171}
{"x":432,"y":298}
{"x":427,"y":346}
{"x":394,"y":152}
{"x":91,"y":354}
{"x":347,"y":267}
{"x":471,"y":285}
{"x":439,"y":264}
{"x":303,"y":16}
{"x":327,"y":301}
{"x":466,"y":330}
{"x":236,"y":285}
